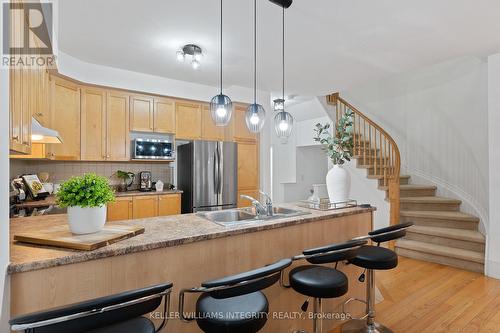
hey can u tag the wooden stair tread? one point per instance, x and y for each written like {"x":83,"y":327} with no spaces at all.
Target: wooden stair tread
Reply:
{"x":372,"y":166}
{"x":431,"y":200}
{"x":410,"y":187}
{"x":441,"y":250}
{"x":440,"y":215}
{"x":381,"y":177}
{"x":459,"y":234}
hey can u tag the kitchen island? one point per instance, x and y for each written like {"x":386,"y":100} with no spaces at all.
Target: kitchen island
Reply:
{"x":185,"y":249}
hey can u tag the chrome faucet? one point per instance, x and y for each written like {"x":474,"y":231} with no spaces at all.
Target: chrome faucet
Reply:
{"x":260,"y":209}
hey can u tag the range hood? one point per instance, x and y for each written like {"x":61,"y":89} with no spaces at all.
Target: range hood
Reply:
{"x":40,"y":134}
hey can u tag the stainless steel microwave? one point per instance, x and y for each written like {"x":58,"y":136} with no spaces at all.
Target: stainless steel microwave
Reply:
{"x":152,"y":149}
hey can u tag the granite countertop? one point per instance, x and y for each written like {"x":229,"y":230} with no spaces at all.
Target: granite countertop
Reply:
{"x":132,"y":193}
{"x":161,"y":232}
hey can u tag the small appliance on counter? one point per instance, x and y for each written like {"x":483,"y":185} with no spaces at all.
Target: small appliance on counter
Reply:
{"x":145,"y":181}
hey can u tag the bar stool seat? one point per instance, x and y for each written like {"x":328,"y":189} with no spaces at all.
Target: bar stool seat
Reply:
{"x":136,"y":325}
{"x":244,"y":313}
{"x":375,"y":257}
{"x":318,"y":281}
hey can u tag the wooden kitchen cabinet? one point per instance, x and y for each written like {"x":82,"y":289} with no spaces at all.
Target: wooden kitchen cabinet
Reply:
{"x":117,"y":126}
{"x":188,"y":120}
{"x":18,"y":112}
{"x":209,"y":130}
{"x":248,"y":166}
{"x":121,"y":209}
{"x":93,"y":124}
{"x":164,"y":115}
{"x":169,"y":204}
{"x":141,"y":113}
{"x":145,"y":206}
{"x":42,"y":87}
{"x":241,"y":132}
{"x":65,"y":118}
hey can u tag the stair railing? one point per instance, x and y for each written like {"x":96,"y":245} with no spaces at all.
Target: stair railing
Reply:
{"x":375,"y":148}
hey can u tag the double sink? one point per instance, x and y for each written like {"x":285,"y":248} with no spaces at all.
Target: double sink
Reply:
{"x":232,"y":217}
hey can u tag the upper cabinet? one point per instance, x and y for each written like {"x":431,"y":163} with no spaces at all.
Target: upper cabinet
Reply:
{"x":241,"y":132}
{"x":188,"y":120}
{"x":117,"y":126}
{"x":209,"y":130}
{"x":41,"y":112}
{"x":164,"y":115}
{"x":141,"y":113}
{"x":20,"y":117}
{"x":65,"y":118}
{"x":93,"y":124}
{"x":152,"y":114}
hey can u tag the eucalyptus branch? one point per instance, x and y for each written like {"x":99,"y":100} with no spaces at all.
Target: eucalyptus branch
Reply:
{"x":339,"y":145}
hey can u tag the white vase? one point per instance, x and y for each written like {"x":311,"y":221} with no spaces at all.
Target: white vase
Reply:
{"x":86,"y":220}
{"x":338,"y":183}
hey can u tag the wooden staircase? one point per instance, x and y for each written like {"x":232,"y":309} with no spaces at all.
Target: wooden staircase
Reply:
{"x":441,"y":234}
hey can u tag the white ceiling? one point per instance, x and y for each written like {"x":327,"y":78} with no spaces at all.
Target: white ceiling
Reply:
{"x":331,"y":44}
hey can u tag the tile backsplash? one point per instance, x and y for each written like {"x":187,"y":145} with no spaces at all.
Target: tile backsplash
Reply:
{"x":60,"y":171}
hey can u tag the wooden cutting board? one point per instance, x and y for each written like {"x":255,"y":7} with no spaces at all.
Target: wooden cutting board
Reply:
{"x":60,"y":236}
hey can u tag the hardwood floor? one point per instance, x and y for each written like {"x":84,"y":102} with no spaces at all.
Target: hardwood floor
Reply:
{"x":426,"y":297}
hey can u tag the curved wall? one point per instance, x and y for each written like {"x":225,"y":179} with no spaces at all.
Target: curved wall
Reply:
{"x":439,"y":118}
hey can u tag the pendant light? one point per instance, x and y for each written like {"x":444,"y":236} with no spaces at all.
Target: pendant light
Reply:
{"x":221,"y":107}
{"x":255,"y":115}
{"x":283,"y":121}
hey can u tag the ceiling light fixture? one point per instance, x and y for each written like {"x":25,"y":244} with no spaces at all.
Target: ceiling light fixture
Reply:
{"x":194,"y":51}
{"x":283,"y":121}
{"x":221,"y":107}
{"x":255,"y":115}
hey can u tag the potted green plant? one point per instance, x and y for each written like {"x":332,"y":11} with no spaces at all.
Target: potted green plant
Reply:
{"x":339,"y":147}
{"x":86,"y":198}
{"x":126,"y":178}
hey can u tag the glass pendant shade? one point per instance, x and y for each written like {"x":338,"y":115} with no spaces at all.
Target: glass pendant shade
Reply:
{"x":255,"y":117}
{"x":283,"y":123}
{"x":279,"y":104}
{"x":221,"y":109}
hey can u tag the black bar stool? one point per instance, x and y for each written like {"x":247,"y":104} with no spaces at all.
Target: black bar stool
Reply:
{"x":320,"y":281}
{"x":373,"y":258}
{"x":110,"y":314}
{"x":234,"y":304}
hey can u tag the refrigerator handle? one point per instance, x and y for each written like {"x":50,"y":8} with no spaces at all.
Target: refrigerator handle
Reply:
{"x":219,"y":165}
{"x":216,"y":173}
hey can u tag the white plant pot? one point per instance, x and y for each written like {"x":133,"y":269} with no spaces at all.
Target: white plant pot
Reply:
{"x":86,"y":220}
{"x":338,"y":184}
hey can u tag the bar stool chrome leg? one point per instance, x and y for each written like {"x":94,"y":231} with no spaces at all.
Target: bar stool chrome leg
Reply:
{"x":318,"y":314}
{"x":367,"y":325}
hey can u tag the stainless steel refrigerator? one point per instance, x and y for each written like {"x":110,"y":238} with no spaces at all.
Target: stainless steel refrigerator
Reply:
{"x":207,"y":172}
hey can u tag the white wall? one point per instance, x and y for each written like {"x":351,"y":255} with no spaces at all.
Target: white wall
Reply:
{"x":493,"y":239}
{"x":4,"y":201}
{"x":438,"y":117}
{"x":311,"y":168}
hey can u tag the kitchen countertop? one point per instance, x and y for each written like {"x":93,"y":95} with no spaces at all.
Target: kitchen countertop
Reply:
{"x":137,"y":192}
{"x":161,"y":232}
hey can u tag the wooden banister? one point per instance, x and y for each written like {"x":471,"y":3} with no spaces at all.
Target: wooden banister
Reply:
{"x":374,"y":147}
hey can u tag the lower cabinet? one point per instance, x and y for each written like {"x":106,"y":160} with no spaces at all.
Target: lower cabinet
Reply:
{"x":169,"y":204}
{"x":121,"y":209}
{"x":144,"y":206}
